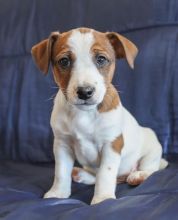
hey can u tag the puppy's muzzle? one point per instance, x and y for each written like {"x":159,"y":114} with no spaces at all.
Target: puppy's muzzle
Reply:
{"x":85,"y":92}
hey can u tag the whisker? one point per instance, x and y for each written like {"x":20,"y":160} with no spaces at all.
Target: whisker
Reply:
{"x":116,"y":84}
{"x":109,"y":88}
{"x":51,"y":98}
{"x":119,"y":91}
{"x":54,"y":87}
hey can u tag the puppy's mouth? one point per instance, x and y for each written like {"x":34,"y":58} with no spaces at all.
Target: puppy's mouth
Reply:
{"x":84,"y":104}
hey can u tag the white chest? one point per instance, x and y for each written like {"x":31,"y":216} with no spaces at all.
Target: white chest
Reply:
{"x":87,"y":131}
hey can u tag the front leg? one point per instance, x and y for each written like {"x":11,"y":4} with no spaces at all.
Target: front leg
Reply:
{"x":64,"y":161}
{"x":107,"y":174}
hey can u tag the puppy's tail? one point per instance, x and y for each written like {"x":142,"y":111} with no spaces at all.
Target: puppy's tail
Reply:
{"x":163,"y":164}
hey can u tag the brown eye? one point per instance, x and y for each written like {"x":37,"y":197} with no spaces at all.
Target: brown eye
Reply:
{"x":64,"y":62}
{"x":101,"y":60}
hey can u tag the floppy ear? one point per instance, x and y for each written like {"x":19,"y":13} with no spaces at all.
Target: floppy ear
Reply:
{"x":41,"y":52}
{"x":123,"y":47}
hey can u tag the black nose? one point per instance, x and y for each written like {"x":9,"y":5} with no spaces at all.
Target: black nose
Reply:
{"x":85,"y":92}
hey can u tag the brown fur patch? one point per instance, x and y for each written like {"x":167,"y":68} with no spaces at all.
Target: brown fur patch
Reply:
{"x":60,"y":49}
{"x":62,"y":79}
{"x":75,"y":174}
{"x":84,"y":30}
{"x":53,"y":49}
{"x":41,"y":52}
{"x":122,"y":179}
{"x":102,"y":46}
{"x":123,"y":47}
{"x":137,"y":180}
{"x":112,"y":45}
{"x":111,"y":100}
{"x":118,"y":144}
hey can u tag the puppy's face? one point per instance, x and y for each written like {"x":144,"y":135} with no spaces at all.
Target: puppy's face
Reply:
{"x":83,"y":62}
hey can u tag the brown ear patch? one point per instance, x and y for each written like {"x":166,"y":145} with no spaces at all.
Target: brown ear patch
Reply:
{"x":41,"y":52}
{"x":111,"y":100}
{"x":62,"y":79}
{"x":61,"y":49}
{"x":118,"y":144}
{"x":40,"y":55}
{"x":123,"y":47}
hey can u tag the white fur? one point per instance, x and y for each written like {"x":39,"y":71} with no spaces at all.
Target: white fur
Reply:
{"x":84,"y":71}
{"x":88,"y":135}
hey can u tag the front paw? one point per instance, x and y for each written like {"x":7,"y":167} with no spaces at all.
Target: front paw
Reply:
{"x":56,"y":194}
{"x":98,"y":199}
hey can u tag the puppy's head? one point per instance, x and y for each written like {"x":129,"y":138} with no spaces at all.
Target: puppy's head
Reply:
{"x":83,"y":62}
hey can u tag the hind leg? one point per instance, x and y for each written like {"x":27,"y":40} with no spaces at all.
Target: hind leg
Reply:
{"x":150,"y":162}
{"x":137,"y":177}
{"x":80,"y":175}
{"x":148,"y":165}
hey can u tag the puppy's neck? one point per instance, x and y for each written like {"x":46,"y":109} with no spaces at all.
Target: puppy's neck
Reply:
{"x":111,"y":100}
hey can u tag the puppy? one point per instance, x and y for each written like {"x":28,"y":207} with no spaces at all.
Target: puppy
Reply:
{"x":88,"y":119}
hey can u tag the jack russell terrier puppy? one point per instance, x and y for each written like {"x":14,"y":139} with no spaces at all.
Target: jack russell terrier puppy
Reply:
{"x":88,"y":119}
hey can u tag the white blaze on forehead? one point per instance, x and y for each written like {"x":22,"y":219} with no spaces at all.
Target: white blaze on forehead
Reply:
{"x":80,"y":44}
{"x":84,"y":71}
